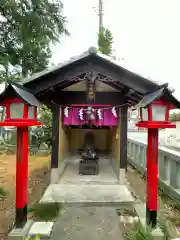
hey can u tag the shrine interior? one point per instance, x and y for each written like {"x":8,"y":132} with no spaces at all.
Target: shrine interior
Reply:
{"x":103,"y":131}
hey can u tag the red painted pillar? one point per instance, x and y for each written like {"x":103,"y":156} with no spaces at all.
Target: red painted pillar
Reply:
{"x":152,"y":177}
{"x":21,"y":176}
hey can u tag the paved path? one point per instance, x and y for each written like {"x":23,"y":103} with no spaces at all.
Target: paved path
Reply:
{"x":87,"y":223}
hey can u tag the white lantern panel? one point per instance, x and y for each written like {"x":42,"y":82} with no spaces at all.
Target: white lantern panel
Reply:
{"x":3,"y":111}
{"x":158,"y":113}
{"x":31,"y":110}
{"x":16,"y":110}
{"x":144,"y":114}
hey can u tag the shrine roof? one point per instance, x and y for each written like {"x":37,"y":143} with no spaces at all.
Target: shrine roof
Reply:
{"x":162,"y":92}
{"x":14,"y":89}
{"x":143,"y":83}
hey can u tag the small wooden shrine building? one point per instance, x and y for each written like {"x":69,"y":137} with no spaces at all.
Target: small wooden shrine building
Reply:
{"x":89,"y":80}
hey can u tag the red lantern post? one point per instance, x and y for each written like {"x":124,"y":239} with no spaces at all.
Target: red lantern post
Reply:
{"x":154,"y":114}
{"x":21,"y":111}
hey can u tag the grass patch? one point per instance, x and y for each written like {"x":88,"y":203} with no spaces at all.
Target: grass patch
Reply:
{"x":138,"y":232}
{"x":161,"y":191}
{"x":45,"y":211}
{"x":3,"y":192}
{"x":170,"y":200}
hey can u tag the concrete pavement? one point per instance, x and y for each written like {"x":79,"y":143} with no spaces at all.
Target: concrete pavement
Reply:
{"x":87,"y":223}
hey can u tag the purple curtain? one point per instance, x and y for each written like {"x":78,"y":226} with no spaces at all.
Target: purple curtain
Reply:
{"x":108,"y":118}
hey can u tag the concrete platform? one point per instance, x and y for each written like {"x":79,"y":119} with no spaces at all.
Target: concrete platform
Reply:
{"x":71,"y":173}
{"x":87,"y":223}
{"x":88,"y":194}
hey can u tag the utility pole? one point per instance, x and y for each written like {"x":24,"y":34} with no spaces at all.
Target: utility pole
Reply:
{"x":100,"y":14}
{"x":99,"y":11}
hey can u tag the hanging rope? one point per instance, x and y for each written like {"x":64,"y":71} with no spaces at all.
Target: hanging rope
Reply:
{"x":86,"y":109}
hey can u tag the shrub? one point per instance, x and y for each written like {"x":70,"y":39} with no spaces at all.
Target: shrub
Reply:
{"x":138,"y":232}
{"x":3,"y":192}
{"x":45,"y":211}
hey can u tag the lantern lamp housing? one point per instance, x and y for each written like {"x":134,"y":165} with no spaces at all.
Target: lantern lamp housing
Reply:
{"x":155,"y":107}
{"x":20,"y":106}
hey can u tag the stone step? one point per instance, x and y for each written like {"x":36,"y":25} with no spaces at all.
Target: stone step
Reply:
{"x":88,"y":194}
{"x":89,"y":182}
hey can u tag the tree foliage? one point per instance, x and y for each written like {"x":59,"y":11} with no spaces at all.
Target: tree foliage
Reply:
{"x":27,"y":28}
{"x":44,"y":132}
{"x":175,"y":117}
{"x":105,"y":41}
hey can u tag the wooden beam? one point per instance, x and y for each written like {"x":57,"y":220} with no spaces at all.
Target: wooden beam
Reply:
{"x":55,"y":135}
{"x":130,"y":92}
{"x":114,"y":84}
{"x":58,"y":78}
{"x":127,"y":80}
{"x":66,"y":84}
{"x":79,"y":97}
{"x":123,"y":136}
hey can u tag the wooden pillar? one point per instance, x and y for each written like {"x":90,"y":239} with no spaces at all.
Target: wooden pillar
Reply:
{"x":55,"y":143}
{"x":123,"y":143}
{"x":118,"y":145}
{"x":21,"y":177}
{"x":152,"y":177}
{"x":62,"y":144}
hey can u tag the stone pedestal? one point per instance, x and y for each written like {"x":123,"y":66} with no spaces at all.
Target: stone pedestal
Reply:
{"x":141,"y":212}
{"x":157,"y":234}
{"x":20,"y":233}
{"x":88,"y":167}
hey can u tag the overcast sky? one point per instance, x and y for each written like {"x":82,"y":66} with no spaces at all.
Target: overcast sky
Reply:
{"x":146,"y":34}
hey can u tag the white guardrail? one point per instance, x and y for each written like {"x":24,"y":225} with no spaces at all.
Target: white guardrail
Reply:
{"x":168,"y":164}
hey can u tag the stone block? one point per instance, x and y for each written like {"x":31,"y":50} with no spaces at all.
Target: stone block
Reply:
{"x":20,"y":233}
{"x":44,"y":229}
{"x":140,"y":209}
{"x":54,"y":175}
{"x":122,"y":176}
{"x":157,"y":234}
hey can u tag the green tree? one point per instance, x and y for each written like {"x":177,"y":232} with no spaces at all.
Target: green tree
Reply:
{"x":105,"y":41}
{"x":173,"y":117}
{"x":27,"y":28}
{"x":44,"y":132}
